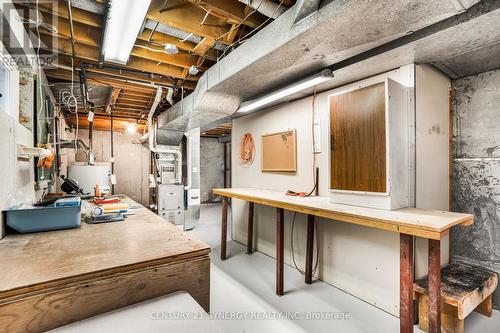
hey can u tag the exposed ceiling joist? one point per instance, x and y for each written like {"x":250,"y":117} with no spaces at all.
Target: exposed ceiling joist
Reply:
{"x":113,"y":96}
{"x":233,"y":10}
{"x":182,"y":15}
{"x":200,"y":29}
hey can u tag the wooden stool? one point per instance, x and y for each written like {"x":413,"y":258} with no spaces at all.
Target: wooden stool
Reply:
{"x":464,"y":288}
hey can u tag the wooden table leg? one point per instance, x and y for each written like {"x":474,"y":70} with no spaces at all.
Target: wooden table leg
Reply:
{"x":280,"y":250}
{"x":223,"y":234}
{"x":434,"y":286}
{"x":309,"y":248}
{"x":250,"y":228}
{"x":406,"y":284}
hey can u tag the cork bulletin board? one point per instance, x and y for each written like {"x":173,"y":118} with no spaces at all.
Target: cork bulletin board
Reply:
{"x":279,"y":151}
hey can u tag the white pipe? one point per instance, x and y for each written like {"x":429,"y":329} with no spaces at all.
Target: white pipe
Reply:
{"x":189,"y":162}
{"x":152,"y":135}
{"x":144,"y":138}
{"x":266,"y":7}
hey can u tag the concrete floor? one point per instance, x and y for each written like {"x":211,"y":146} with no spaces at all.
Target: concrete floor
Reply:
{"x":243,"y":286}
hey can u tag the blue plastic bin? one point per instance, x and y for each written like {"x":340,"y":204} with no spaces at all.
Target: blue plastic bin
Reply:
{"x":34,"y":219}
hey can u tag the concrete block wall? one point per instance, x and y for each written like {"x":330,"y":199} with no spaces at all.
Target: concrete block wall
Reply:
{"x":211,"y":167}
{"x":476,"y":169}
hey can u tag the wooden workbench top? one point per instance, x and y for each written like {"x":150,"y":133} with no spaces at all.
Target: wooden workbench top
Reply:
{"x":433,"y":224}
{"x":31,"y":262}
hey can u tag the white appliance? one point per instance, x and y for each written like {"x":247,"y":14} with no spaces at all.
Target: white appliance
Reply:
{"x":88,"y":176}
{"x":171,"y":204}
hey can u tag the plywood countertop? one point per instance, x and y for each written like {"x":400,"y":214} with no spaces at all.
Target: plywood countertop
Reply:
{"x":37,"y":261}
{"x":433,"y":224}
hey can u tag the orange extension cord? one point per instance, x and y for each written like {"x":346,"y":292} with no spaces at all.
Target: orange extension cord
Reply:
{"x":247,"y":149}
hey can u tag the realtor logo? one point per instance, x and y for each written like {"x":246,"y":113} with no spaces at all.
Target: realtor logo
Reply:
{"x":29,"y":31}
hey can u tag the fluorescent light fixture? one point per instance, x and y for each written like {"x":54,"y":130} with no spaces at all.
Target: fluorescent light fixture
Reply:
{"x":132,"y":128}
{"x":309,"y":82}
{"x":125,"y":20}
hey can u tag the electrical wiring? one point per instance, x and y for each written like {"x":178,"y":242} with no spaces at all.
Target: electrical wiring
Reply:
{"x":39,"y":69}
{"x":315,"y":267}
{"x":38,"y":23}
{"x":69,"y":100}
{"x":247,"y":149}
{"x":315,"y":181}
{"x":314,"y":168}
{"x":251,"y":32}
{"x":237,"y":27}
{"x":151,"y":49}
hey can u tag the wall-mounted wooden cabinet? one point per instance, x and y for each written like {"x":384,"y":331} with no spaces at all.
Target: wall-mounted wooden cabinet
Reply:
{"x":369,"y":146}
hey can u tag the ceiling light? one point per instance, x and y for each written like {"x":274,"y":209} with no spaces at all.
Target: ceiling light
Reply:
{"x":193,"y":70}
{"x":171,"y":49}
{"x":312,"y":81}
{"x":124,"y":22}
{"x":132,"y":128}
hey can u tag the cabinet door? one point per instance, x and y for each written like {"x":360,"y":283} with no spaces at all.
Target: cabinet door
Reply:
{"x":358,"y":140}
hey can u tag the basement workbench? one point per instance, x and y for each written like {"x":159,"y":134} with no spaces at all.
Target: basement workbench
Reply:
{"x":408,"y":222}
{"x":50,"y":279}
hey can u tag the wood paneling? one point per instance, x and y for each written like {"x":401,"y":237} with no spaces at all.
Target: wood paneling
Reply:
{"x":358,"y":140}
{"x":57,"y":307}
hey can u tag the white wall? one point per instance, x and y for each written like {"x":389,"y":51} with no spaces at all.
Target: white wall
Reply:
{"x":131,"y":161}
{"x":17,"y":175}
{"x":359,"y":260}
{"x":432,"y":105}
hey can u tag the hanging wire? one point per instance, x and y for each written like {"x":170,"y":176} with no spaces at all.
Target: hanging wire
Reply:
{"x":243,"y":38}
{"x":315,"y":268}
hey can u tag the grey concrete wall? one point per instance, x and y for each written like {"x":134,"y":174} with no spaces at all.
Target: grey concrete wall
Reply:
{"x":212,"y":167}
{"x":476,"y":169}
{"x":131,"y":162}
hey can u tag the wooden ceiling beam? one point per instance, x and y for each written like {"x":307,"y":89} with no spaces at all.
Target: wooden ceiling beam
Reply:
{"x":134,"y":94}
{"x":120,"y":102}
{"x":134,"y":100}
{"x":204,"y":45}
{"x":101,"y":81}
{"x":187,"y":17}
{"x":233,"y":10}
{"x":162,"y":39}
{"x":91,"y":36}
{"x":113,"y":96}
{"x":63,"y":74}
{"x":144,"y":50}
{"x":102,"y":123}
{"x":59,"y":8}
{"x":88,"y":54}
{"x":88,"y":29}
{"x":156,"y":79}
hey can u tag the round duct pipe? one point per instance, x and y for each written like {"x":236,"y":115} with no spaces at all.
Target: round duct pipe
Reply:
{"x":266,"y":7}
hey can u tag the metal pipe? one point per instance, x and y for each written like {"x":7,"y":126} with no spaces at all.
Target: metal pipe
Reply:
{"x":112,"y":152}
{"x":100,"y":61}
{"x":266,"y":7}
{"x":152,"y":134}
{"x":70,"y":16}
{"x":82,"y":89}
{"x":91,"y":130}
{"x":114,"y":76}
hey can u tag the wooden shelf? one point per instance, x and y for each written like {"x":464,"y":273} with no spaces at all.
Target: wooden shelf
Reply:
{"x":432,"y":224}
